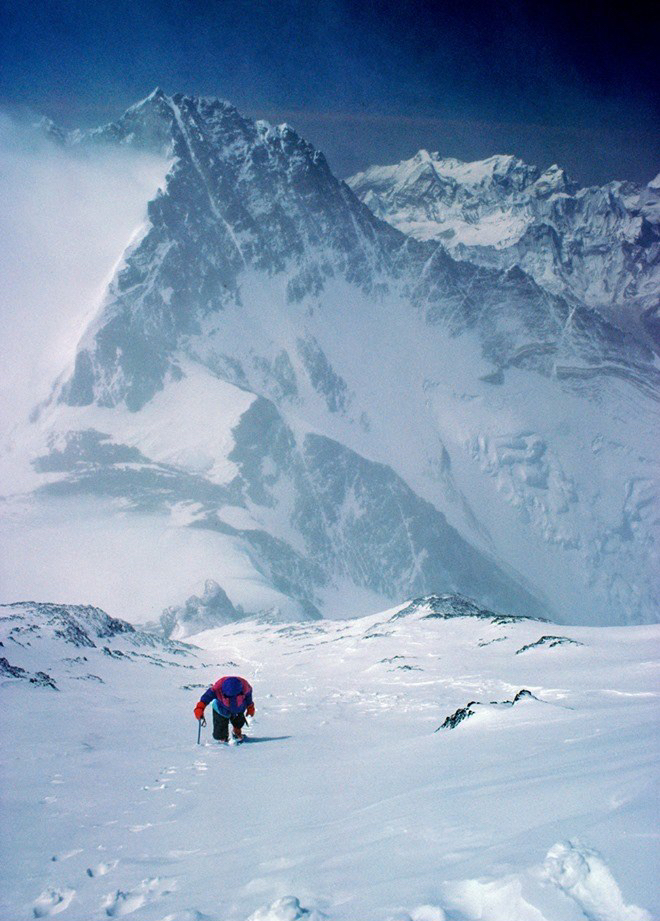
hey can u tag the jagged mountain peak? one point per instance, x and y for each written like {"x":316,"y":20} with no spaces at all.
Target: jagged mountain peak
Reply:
{"x":161,"y":122}
{"x":596,"y":246}
{"x":244,"y":196}
{"x":52,"y":131}
{"x":173,"y":124}
{"x":443,"y":170}
{"x":346,"y":414}
{"x":441,"y":182}
{"x":555,"y":179}
{"x":241,"y":196}
{"x":156,"y":95}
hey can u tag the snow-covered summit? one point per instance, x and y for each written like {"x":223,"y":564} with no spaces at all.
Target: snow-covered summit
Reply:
{"x":503,"y":170}
{"x":79,"y":625}
{"x":450,"y":605}
{"x":55,"y":644}
{"x":598,"y":245}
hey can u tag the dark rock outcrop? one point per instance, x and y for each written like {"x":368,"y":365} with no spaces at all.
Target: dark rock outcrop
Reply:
{"x":463,"y":713}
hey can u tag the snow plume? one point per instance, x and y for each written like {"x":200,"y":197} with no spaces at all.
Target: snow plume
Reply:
{"x":67,"y":217}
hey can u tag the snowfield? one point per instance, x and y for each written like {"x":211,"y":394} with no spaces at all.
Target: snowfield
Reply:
{"x":348,"y":803}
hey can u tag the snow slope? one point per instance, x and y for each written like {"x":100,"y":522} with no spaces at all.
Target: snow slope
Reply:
{"x":348,"y":803}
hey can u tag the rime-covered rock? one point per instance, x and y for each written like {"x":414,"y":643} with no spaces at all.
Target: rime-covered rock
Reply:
{"x":464,"y":713}
{"x":212,"y":609}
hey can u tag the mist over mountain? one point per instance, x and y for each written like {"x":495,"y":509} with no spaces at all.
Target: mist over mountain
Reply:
{"x":289,"y":396}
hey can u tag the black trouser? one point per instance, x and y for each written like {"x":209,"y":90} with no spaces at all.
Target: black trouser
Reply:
{"x":221,"y":725}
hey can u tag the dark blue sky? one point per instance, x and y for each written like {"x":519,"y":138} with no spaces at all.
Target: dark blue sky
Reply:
{"x":366,"y":81}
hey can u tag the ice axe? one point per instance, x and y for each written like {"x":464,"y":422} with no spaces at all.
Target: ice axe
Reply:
{"x":200,"y":723}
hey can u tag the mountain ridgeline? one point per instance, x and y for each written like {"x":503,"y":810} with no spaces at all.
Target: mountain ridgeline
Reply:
{"x":598,"y":246}
{"x":352,"y":413}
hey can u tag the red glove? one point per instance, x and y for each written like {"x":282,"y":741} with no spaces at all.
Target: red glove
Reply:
{"x":250,"y":710}
{"x":199,"y":711}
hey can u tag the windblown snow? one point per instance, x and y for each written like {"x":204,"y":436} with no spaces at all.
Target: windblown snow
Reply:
{"x":348,"y":801}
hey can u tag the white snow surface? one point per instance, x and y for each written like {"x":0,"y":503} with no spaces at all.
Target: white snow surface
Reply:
{"x":345,"y":804}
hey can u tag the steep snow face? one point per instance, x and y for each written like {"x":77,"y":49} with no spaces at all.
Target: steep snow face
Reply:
{"x":599,"y":245}
{"x":287,"y":396}
{"x":245,"y":199}
{"x":351,"y":802}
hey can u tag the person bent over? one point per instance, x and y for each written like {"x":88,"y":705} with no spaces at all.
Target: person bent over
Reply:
{"x":230,"y":698}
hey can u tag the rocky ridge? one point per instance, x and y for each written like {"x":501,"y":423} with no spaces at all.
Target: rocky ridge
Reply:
{"x":75,"y":642}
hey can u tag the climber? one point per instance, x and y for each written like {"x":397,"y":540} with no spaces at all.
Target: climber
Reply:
{"x":231,"y":699}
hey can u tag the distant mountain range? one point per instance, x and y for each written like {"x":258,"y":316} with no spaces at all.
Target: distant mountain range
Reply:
{"x":598,"y":246}
{"x":323,"y":407}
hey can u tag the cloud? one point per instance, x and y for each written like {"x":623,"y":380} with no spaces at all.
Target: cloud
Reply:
{"x":67,"y":215}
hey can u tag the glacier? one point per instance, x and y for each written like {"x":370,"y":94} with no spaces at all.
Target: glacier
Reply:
{"x":286,"y":396}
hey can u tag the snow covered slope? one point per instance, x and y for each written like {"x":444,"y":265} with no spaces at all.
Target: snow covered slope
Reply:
{"x":287,"y":396}
{"x":47,"y":636}
{"x":348,"y":802}
{"x":599,"y":246}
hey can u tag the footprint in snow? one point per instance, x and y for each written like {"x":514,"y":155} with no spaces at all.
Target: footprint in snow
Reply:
{"x":67,"y":854}
{"x":52,"y":902}
{"x":286,"y":909}
{"x":102,"y":868}
{"x":121,"y":903}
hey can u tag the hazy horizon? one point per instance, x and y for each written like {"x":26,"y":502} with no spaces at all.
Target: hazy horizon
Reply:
{"x":366,"y":83}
